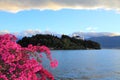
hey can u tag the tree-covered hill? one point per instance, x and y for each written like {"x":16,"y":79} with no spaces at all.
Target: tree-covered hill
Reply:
{"x":53,"y":42}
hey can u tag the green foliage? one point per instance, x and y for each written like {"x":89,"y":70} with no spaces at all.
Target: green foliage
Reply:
{"x":53,"y":42}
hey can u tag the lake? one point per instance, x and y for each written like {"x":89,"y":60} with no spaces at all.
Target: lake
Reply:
{"x":86,"y":64}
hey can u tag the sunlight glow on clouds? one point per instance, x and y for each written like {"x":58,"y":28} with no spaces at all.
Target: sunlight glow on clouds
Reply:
{"x":18,"y":5}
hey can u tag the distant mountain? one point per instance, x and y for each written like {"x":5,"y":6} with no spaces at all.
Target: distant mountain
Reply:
{"x":107,"y":41}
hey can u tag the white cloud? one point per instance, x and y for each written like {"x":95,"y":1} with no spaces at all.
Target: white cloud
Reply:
{"x":91,"y":29}
{"x":27,"y":33}
{"x":31,"y":32}
{"x":4,"y":32}
{"x":95,"y":34}
{"x":18,"y":5}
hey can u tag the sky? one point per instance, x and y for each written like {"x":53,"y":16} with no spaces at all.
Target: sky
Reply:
{"x":60,"y":16}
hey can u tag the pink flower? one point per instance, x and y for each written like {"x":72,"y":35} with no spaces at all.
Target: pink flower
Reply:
{"x":3,"y":77}
{"x":54,"y":63}
{"x":0,"y":66}
{"x":22,"y":63}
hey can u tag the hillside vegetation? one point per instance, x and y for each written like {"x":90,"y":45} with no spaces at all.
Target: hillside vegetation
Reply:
{"x":54,"y":42}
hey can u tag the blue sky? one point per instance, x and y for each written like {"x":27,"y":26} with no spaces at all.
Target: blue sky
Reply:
{"x":61,"y":20}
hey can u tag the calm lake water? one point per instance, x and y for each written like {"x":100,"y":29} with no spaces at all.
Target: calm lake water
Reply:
{"x":86,"y":64}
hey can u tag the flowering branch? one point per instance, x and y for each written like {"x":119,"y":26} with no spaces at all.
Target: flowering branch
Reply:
{"x":23,"y":63}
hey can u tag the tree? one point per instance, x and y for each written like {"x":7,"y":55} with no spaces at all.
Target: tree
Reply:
{"x":53,"y":42}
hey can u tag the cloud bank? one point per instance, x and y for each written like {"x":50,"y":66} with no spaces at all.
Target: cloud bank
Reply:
{"x":19,"y":5}
{"x":29,"y":33}
{"x":94,"y":34}
{"x":86,"y":35}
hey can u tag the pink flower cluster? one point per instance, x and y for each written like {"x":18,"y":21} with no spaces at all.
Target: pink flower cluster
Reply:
{"x":23,"y":63}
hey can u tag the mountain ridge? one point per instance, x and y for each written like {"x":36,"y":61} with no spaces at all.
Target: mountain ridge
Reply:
{"x":107,"y":41}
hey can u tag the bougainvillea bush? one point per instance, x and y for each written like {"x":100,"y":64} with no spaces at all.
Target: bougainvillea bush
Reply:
{"x":23,"y":63}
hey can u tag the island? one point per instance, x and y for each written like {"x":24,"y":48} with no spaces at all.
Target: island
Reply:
{"x":64,"y":42}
